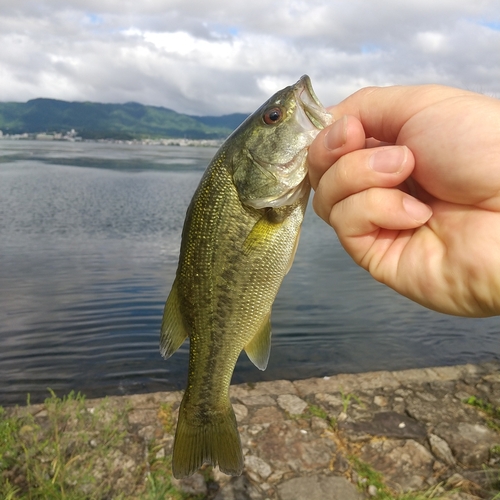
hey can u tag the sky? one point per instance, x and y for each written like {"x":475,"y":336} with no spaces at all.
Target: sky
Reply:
{"x":213,"y":57}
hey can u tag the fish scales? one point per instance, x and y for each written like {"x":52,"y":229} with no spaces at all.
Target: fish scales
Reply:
{"x":238,"y":242}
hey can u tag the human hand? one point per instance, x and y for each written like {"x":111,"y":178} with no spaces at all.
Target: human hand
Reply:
{"x":409,"y":178}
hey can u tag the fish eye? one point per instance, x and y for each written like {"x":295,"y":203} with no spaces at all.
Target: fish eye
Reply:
{"x":273,"y":116}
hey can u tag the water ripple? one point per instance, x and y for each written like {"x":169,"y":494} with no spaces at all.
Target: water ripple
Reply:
{"x":89,"y":240}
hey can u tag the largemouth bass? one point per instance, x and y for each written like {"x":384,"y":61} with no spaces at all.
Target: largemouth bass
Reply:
{"x":238,"y":242}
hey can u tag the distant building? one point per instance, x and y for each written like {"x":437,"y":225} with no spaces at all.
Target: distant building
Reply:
{"x":44,"y":137}
{"x":1,"y":134}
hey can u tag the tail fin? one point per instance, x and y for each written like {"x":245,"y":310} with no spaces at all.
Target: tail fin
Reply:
{"x":215,"y":441}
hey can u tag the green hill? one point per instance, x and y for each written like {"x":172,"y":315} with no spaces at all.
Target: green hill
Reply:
{"x":111,"y":121}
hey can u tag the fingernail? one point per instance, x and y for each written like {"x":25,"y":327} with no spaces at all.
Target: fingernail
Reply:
{"x":389,"y":160}
{"x":417,"y":210}
{"x":337,"y":135}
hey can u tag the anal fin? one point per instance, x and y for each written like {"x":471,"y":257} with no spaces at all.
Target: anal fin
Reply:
{"x":259,"y":348}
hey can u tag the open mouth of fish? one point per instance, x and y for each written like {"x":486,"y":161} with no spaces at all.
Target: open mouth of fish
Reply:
{"x":313,"y":111}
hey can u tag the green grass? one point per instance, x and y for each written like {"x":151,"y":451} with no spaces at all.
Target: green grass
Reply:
{"x":492,"y":412}
{"x":159,"y":481}
{"x":347,"y":398}
{"x":64,"y":452}
{"x":71,"y":451}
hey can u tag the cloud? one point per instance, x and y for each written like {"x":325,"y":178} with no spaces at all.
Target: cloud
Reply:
{"x":221,"y":56}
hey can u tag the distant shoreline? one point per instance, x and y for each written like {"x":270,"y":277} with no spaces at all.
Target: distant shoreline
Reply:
{"x":43,"y":137}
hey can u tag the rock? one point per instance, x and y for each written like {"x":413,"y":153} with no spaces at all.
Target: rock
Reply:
{"x":292,"y":404}
{"x":256,"y":468}
{"x":441,"y":450}
{"x":318,"y":488}
{"x":241,"y":412}
{"x":266,"y":415}
{"x":147,"y":432}
{"x":262,"y":388}
{"x":319,"y":425}
{"x":389,"y":424}
{"x":470,"y":443}
{"x":193,"y":485}
{"x":448,"y":409}
{"x":426,"y":396}
{"x":333,"y":400}
{"x":262,"y":400}
{"x":381,"y":401}
{"x":347,"y":383}
{"x":405,"y":464}
{"x":239,"y":488}
{"x":143,"y":416}
{"x":457,"y":495}
{"x":285,"y":448}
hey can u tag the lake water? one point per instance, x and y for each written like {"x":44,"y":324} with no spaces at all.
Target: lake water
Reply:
{"x":89,"y":239}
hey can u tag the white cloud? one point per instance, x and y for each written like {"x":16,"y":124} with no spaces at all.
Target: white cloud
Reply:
{"x":223,"y":56}
{"x":431,"y":41}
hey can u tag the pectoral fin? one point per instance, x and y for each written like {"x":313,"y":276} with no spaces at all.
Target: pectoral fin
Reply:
{"x":173,"y":330}
{"x":259,"y":348}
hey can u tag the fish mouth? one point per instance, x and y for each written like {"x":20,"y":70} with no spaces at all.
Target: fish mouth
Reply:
{"x":311,"y":106}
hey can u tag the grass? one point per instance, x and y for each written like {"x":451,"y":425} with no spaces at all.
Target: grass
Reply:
{"x":67,"y":450}
{"x":492,"y":412}
{"x":346,"y":400}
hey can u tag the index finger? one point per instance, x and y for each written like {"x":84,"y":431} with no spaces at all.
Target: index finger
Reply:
{"x":383,"y":111}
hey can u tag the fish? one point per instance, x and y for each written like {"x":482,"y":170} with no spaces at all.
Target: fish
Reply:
{"x":238,"y":242}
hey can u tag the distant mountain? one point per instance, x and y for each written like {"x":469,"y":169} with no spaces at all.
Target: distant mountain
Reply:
{"x":111,"y":121}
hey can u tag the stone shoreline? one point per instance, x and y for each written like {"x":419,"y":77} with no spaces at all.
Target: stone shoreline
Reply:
{"x":314,"y":439}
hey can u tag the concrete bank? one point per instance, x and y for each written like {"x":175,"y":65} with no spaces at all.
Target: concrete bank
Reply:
{"x":432,"y":430}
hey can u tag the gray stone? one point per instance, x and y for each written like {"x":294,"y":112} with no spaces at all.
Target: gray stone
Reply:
{"x":381,"y":401}
{"x":330,"y":399}
{"x":266,"y":415}
{"x":285,"y":448}
{"x":262,"y":388}
{"x":193,"y":485}
{"x":426,"y":396}
{"x":319,"y":424}
{"x":405,"y":464}
{"x":492,"y":377}
{"x":256,"y":468}
{"x":239,"y":488}
{"x":240,"y":411}
{"x":446,"y":410}
{"x":441,"y":449}
{"x":347,"y":383}
{"x":292,"y":404}
{"x":318,"y":488}
{"x":143,"y":416}
{"x":460,"y":495}
{"x":262,"y":400}
{"x":414,"y":375}
{"x":470,"y":443}
{"x":389,"y":424}
{"x":447,"y":373}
